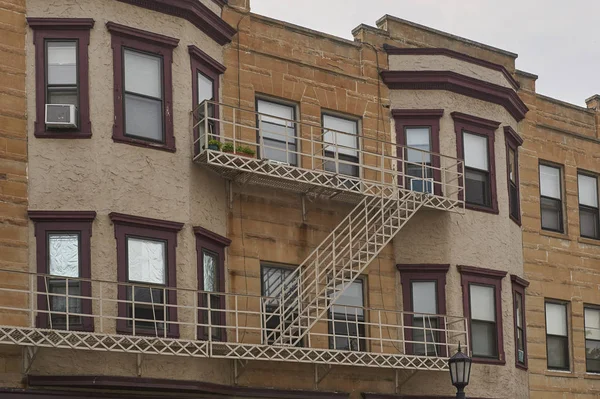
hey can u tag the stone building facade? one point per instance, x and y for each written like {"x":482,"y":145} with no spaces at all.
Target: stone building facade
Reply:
{"x":228,"y":241}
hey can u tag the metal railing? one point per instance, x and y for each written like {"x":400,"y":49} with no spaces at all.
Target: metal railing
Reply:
{"x":39,"y":310}
{"x":230,"y":137}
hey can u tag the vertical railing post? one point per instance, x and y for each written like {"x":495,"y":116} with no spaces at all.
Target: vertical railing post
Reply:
{"x":32,"y":299}
{"x":205,"y":144}
{"x":234,"y":128}
{"x":380,"y":331}
{"x":210,"y":324}
{"x":133,"y":307}
{"x":196,"y":311}
{"x":261,"y":139}
{"x":165,"y":311}
{"x":101,"y":306}
{"x":237,"y":320}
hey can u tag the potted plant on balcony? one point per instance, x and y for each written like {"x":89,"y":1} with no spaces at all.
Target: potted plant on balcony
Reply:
{"x":214,"y":145}
{"x":245,"y":151}
{"x":227,"y":147}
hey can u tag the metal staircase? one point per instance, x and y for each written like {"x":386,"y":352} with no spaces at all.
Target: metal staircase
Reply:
{"x":309,"y":292}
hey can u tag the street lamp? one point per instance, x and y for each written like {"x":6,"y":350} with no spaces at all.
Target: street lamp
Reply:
{"x":460,"y":371}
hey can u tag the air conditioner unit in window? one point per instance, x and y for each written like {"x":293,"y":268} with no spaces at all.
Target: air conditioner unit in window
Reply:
{"x":61,"y":116}
{"x":421,"y":185}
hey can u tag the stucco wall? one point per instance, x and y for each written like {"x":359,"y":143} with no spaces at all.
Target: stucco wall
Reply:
{"x":445,"y":63}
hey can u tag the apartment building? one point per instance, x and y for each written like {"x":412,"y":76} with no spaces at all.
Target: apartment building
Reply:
{"x":197,"y":200}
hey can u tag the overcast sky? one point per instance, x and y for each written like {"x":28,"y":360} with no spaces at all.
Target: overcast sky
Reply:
{"x":555,"y":39}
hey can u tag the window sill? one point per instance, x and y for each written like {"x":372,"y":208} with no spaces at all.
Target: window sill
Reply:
{"x":554,"y":234}
{"x":53,"y":134}
{"x":590,"y":241}
{"x":591,"y":375}
{"x":145,"y":144}
{"x":521,"y":366}
{"x":483,"y":360}
{"x":480,"y":208}
{"x":560,"y":373}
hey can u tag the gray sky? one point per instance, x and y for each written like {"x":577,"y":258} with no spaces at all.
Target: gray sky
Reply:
{"x":555,"y":39}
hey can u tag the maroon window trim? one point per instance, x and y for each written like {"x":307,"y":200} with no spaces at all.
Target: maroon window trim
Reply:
{"x":212,"y":69}
{"x":126,"y":225}
{"x":518,"y":287}
{"x":136,"y":39}
{"x":489,"y":277}
{"x":77,"y":29}
{"x":406,"y":118}
{"x":513,"y":142}
{"x":214,"y":243}
{"x":423,"y":272}
{"x":482,"y":127}
{"x":64,"y":221}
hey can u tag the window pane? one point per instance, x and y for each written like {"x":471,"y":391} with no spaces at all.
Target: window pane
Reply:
{"x":477,"y":187}
{"x":345,"y":135}
{"x":550,"y":181}
{"x":519,"y":310}
{"x":62,"y":63}
{"x":205,"y":88}
{"x":588,"y":190}
{"x":514,"y":200}
{"x":272,"y":283}
{"x":63,"y":255}
{"x":143,"y":117}
{"x":484,"y":339}
{"x":556,"y":319}
{"x":62,"y":96}
{"x":512,"y":165}
{"x":588,"y":222}
{"x":425,"y":334}
{"x":482,"y":303}
{"x":210,"y":263}
{"x":143,"y":74}
{"x":146,"y":260}
{"x":351,"y":300}
{"x":551,"y":214}
{"x":476,"y":151}
{"x":275,"y":150}
{"x":279,"y":111}
{"x":558,"y":352}
{"x":424,"y":297}
{"x":592,"y":323}
{"x":418,"y":137}
{"x":592,"y":356}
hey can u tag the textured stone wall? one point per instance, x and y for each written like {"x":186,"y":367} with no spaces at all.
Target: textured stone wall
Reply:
{"x":13,"y":172}
{"x":559,"y":266}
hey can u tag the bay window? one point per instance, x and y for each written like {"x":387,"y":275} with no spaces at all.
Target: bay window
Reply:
{"x":520,"y":325}
{"x":551,"y":198}
{"x":513,"y":142}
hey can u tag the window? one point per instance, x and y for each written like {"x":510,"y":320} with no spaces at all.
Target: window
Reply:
{"x":63,"y":248}
{"x":475,"y":144}
{"x":146,"y":267}
{"x":419,"y":129}
{"x":347,"y":324}
{"x":206,"y":73}
{"x":483,"y":306}
{"x":518,"y":289}
{"x":424,"y":293}
{"x":273,"y":279}
{"x":551,"y":198}
{"x":340,"y":136}
{"x":513,"y":142}
{"x":61,"y":72}
{"x":210,"y":249}
{"x":588,"y":205}
{"x":557,"y":337}
{"x":592,"y":339}
{"x":143,"y":87}
{"x":277,"y":130}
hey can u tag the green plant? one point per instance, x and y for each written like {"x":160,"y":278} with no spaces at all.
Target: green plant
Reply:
{"x":245,"y":150}
{"x":214,"y":143}
{"x":227,"y":147}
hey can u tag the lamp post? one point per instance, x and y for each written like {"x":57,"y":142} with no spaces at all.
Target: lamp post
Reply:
{"x":460,"y":372}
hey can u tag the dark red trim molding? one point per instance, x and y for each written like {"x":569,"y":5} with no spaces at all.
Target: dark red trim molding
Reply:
{"x":490,"y":277}
{"x":518,"y":286}
{"x":220,"y":3}
{"x":125,"y":36}
{"x":512,"y":136}
{"x":457,"y":83}
{"x":126,"y":225}
{"x":156,"y":385}
{"x":211,"y":236}
{"x":423,"y":272}
{"x":67,"y":221}
{"x":68,"y":29}
{"x":404,"y":118}
{"x":513,"y":142}
{"x":193,"y":11}
{"x":206,"y":59}
{"x":391,"y":50}
{"x":482,"y":127}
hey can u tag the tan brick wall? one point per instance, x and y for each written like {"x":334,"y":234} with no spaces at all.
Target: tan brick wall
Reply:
{"x":558,"y":266}
{"x":13,"y":172}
